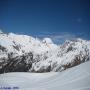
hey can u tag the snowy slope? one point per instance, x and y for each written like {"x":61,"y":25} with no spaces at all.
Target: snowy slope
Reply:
{"x":76,"y":78}
{"x":69,"y":54}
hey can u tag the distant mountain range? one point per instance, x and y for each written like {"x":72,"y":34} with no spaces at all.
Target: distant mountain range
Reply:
{"x":22,"y":53}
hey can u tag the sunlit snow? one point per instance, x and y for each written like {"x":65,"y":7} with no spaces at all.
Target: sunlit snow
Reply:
{"x":76,"y":78}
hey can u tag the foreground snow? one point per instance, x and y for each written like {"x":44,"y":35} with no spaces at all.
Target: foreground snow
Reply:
{"x":76,"y":78}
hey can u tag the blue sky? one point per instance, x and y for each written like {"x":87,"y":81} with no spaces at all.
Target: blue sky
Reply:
{"x":55,"y":18}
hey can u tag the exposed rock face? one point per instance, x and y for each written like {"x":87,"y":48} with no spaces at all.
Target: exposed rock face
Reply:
{"x":17,"y":64}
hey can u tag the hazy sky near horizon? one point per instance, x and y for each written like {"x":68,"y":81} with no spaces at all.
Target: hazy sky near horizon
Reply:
{"x":59,"y":18}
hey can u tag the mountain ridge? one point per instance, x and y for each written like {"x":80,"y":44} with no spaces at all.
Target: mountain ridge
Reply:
{"x":29,"y":54}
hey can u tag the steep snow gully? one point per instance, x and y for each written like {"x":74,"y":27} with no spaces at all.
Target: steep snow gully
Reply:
{"x":76,"y":78}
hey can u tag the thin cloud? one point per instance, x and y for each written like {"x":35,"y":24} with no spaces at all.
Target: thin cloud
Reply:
{"x":60,"y":37}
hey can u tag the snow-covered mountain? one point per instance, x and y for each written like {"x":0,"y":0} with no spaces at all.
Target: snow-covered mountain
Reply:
{"x":24,"y":44}
{"x":26,"y":53}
